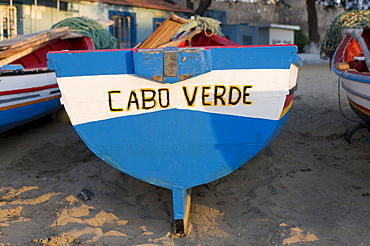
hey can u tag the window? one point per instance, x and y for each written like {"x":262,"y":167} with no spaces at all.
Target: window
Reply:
{"x":157,"y":22}
{"x":8,"y":22}
{"x":123,"y":28}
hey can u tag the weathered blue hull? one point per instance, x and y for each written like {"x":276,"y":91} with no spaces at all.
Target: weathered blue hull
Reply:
{"x":178,"y":118}
{"x":151,"y":147}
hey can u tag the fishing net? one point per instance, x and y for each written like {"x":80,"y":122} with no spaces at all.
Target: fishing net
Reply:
{"x":87,"y":27}
{"x":350,"y":19}
{"x":206,"y":23}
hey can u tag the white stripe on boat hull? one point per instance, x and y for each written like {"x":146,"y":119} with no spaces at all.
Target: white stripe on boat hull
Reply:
{"x":24,"y":82}
{"x":358,"y":92}
{"x":273,"y":84}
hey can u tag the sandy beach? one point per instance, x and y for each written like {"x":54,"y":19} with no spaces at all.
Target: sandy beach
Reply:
{"x":310,"y":187}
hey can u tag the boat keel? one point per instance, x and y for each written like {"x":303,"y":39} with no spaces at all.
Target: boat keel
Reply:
{"x":181,"y":206}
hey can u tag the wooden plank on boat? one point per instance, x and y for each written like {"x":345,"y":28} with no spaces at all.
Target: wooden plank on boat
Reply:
{"x":186,"y":37}
{"x":16,"y":56}
{"x":44,"y":39}
{"x":164,"y":32}
{"x":26,"y":44}
{"x":24,"y":39}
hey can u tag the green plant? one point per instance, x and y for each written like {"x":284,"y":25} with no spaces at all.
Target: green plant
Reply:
{"x":300,"y":39}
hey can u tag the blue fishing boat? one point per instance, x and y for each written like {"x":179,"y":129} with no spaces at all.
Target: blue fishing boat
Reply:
{"x":178,"y":117}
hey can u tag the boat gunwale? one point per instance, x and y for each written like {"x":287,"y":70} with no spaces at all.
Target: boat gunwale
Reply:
{"x":180,"y":48}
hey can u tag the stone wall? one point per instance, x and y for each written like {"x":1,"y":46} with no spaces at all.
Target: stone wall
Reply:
{"x":258,"y":14}
{"x":297,"y":15}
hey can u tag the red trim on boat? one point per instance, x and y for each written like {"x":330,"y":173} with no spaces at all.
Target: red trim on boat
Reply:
{"x":288,"y":100}
{"x":287,"y":104}
{"x":359,"y":107}
{"x":33,"y":89}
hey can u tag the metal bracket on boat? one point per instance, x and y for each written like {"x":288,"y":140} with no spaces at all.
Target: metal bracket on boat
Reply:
{"x":170,"y":62}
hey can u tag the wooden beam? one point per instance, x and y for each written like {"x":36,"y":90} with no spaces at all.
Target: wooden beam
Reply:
{"x":33,"y":43}
{"x":186,"y":37}
{"x":164,"y":32}
{"x":15,"y":48}
{"x":24,"y":39}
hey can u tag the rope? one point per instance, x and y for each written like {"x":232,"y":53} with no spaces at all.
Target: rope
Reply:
{"x":360,"y":124}
{"x":87,"y":27}
{"x":350,"y":19}
{"x":206,"y":23}
{"x":340,"y":105}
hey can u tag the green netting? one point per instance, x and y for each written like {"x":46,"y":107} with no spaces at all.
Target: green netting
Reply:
{"x":206,"y":23}
{"x":350,"y":19}
{"x":100,"y":36}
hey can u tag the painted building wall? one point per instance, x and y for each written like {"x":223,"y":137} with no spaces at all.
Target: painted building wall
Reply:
{"x":263,"y":36}
{"x":278,"y":35}
{"x":36,"y":18}
{"x":241,"y":34}
{"x":33,"y":18}
{"x":144,"y":17}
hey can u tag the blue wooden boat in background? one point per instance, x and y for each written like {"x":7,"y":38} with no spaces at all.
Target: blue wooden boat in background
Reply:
{"x":178,"y":117}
